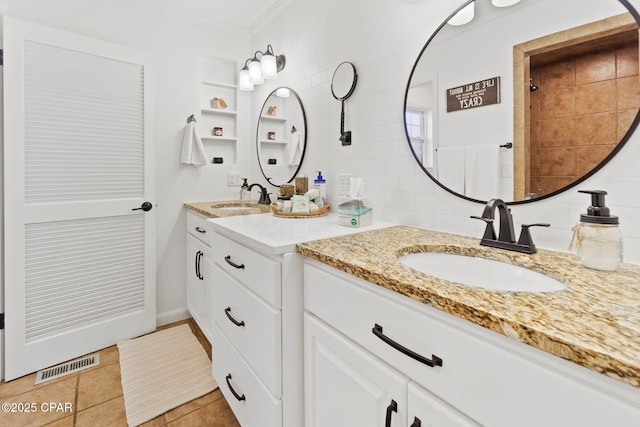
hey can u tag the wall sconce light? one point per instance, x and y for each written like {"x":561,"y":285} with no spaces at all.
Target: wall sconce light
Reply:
{"x":263,"y":66}
{"x":464,"y":15}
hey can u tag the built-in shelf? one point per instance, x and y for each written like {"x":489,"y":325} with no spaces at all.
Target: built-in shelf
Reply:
{"x":219,"y":111}
{"x":273,"y":141}
{"x":218,"y":80}
{"x":219,"y":138}
{"x":274,"y":118}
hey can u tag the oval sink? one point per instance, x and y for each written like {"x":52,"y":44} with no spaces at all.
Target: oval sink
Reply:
{"x":234,"y":208}
{"x":481,"y":272}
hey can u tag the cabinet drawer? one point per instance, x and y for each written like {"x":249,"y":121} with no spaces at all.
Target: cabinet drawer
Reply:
{"x":199,"y":227}
{"x":492,"y":384}
{"x":252,"y":326}
{"x":249,"y":399}
{"x":257,"y":272}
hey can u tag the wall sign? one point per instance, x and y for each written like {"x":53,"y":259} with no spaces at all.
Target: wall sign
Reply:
{"x":471,"y":95}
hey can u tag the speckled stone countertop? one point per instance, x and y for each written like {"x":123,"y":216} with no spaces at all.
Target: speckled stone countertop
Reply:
{"x":216,"y":209}
{"x":595,"y":322}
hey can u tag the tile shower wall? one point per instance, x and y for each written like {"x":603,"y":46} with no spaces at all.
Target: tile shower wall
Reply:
{"x":383,"y":38}
{"x":581,"y":110}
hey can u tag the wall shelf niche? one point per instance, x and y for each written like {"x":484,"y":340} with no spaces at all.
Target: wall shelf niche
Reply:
{"x":218,"y":109}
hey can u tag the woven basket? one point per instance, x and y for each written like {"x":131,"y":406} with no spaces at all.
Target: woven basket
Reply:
{"x":320,"y":212}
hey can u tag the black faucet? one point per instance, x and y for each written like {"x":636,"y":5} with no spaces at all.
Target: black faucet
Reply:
{"x":264,"y":196}
{"x":506,"y":237}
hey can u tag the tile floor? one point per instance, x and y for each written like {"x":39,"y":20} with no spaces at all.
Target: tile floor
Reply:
{"x":96,"y":399}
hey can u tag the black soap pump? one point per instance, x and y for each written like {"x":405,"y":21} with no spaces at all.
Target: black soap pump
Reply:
{"x":597,"y":236}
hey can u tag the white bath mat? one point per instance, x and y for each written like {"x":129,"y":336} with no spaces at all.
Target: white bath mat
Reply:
{"x":161,"y":371}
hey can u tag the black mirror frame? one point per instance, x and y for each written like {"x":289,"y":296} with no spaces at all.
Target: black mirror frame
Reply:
{"x":304,"y":145}
{"x":611,"y":155}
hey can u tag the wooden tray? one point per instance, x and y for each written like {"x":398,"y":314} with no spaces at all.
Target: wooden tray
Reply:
{"x":320,"y":212}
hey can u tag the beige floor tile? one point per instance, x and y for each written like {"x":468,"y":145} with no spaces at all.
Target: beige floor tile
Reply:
{"x":99,"y":385}
{"x":40,"y":413}
{"x":110,"y":413}
{"x":195,"y":404}
{"x":216,"y":414}
{"x":65,"y":422}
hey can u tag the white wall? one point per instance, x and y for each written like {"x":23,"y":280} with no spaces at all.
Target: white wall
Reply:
{"x":177,"y":42}
{"x":383,"y":39}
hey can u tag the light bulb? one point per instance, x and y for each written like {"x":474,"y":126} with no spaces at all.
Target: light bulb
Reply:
{"x":255,"y":72}
{"x":244,"y":80}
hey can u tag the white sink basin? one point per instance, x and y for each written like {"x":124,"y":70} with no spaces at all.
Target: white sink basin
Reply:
{"x":480,"y":272}
{"x":235,"y":208}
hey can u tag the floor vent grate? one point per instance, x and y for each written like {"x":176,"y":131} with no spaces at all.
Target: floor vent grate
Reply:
{"x":67,"y":368}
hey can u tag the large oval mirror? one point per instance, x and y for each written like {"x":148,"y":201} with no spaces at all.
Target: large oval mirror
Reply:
{"x":281,"y":136}
{"x":524,"y":102}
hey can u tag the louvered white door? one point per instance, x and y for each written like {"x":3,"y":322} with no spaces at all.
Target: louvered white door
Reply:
{"x":79,"y":260}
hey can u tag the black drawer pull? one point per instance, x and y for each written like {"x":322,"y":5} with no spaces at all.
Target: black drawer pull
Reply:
{"x":227,"y":311}
{"x":198,"y":264}
{"x":233,"y":264}
{"x":393,"y":407}
{"x":416,"y":422}
{"x":434,"y":361}
{"x":200,"y":276}
{"x":236,"y":395}
{"x":200,"y":230}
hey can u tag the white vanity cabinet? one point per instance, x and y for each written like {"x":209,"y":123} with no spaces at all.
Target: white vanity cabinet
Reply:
{"x":199,"y":290}
{"x":257,"y":312}
{"x":454,"y":373}
{"x":257,"y":332}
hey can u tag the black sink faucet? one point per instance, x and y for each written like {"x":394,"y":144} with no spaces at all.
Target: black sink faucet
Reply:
{"x":506,"y":236}
{"x":264,"y":196}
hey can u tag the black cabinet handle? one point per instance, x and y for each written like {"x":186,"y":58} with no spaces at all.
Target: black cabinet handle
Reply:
{"x":227,"y":311}
{"x":236,"y":395}
{"x":197,"y":258}
{"x":200,"y":276}
{"x":200,"y":230}
{"x":393,"y":407}
{"x":416,"y":422}
{"x":434,"y":361}
{"x":233,"y":264}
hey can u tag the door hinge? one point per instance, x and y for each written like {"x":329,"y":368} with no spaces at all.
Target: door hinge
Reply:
{"x":1,"y":56}
{"x":1,"y":321}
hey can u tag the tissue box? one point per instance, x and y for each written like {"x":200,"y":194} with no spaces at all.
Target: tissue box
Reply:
{"x":355,"y":211}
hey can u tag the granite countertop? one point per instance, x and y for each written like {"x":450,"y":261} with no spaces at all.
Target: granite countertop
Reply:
{"x":595,"y":322}
{"x":216,"y":209}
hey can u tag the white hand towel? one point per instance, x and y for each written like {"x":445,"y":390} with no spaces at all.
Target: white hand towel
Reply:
{"x":192,"y":150}
{"x":294,"y":148}
{"x":482,"y":171}
{"x":451,"y":167}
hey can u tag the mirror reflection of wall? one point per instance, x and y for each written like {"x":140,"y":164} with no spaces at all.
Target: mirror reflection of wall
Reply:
{"x":465,"y":152}
{"x":281,"y":136}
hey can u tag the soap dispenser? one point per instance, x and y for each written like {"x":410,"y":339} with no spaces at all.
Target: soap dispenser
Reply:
{"x":320,"y":184}
{"x":597,"y":236}
{"x":245,"y":194}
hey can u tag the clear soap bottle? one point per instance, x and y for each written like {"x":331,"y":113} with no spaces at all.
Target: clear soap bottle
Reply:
{"x":597,"y":236}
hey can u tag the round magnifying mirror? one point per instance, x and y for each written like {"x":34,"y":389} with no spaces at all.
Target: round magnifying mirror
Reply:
{"x":344,"y":81}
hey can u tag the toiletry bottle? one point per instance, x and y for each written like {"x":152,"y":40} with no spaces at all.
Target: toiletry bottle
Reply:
{"x":597,"y":236}
{"x":245,"y":194}
{"x":320,"y":184}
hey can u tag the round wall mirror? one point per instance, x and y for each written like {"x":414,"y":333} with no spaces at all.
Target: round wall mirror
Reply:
{"x":524,"y":102}
{"x":344,"y":81}
{"x":281,"y":136}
